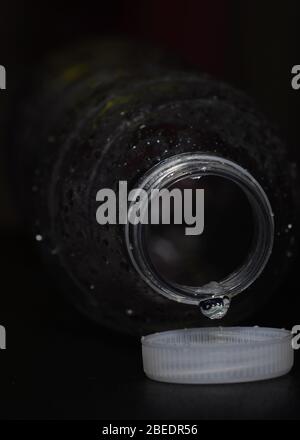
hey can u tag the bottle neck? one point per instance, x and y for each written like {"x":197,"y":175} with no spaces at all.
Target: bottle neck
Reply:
{"x":170,"y":173}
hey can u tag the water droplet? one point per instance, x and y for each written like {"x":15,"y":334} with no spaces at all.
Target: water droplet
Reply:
{"x":289,"y":228}
{"x":158,"y":141}
{"x":134,"y":147}
{"x":122,"y":113}
{"x":39,"y":237}
{"x":142,"y":126}
{"x":204,"y":169}
{"x":215,"y":307}
{"x":129,"y":312}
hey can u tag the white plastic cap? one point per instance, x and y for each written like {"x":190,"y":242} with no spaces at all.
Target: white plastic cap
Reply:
{"x":217,"y":355}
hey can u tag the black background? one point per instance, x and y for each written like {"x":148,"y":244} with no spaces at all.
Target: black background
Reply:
{"x":58,"y":365}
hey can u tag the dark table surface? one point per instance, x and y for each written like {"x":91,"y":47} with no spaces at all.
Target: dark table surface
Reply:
{"x":57,"y":365}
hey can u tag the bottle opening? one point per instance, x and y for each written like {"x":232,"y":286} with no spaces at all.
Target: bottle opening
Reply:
{"x":233,"y":248}
{"x":195,"y":260}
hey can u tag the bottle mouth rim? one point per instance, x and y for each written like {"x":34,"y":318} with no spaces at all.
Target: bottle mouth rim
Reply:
{"x":193,"y":165}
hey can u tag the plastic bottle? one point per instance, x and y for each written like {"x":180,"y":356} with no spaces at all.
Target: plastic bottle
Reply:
{"x":96,"y":120}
